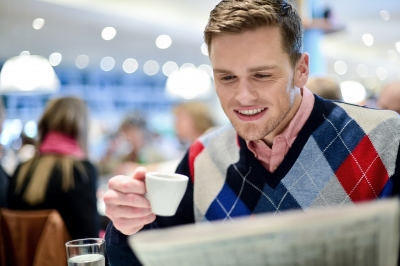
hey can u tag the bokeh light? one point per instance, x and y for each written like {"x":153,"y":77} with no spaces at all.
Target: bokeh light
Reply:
{"x":38,"y":23}
{"x":163,"y":41}
{"x":384,"y":15}
{"x":82,"y":61}
{"x":204,"y":49}
{"x":108,"y":33}
{"x":362,"y":70}
{"x":130,"y":65}
{"x":206,"y":68}
{"x":381,"y":73}
{"x":55,"y":59}
{"x":169,"y":68}
{"x":368,"y":39}
{"x":107,"y":63}
{"x":151,"y":67}
{"x":353,"y":91}
{"x":340,"y":67}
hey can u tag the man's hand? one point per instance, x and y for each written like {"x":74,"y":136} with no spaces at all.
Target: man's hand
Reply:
{"x":126,"y":205}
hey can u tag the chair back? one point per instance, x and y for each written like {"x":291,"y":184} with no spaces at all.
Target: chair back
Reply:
{"x":32,"y":238}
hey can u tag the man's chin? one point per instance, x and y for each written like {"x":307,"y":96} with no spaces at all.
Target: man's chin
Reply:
{"x":249,"y":133}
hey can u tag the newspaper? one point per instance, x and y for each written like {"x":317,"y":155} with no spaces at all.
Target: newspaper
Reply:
{"x":362,"y":234}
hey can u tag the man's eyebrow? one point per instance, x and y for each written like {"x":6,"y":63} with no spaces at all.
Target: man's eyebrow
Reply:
{"x":253,"y":69}
{"x":262,"y":68}
{"x":224,"y":71}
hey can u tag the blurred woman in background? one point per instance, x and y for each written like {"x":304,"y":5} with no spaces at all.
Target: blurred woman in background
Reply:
{"x":59,"y":176}
{"x":192,"y":119}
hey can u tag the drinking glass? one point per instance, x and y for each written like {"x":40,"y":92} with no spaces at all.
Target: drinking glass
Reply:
{"x":86,"y":252}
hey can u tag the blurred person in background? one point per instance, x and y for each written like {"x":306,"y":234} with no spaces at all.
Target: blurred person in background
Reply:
{"x":27,"y":150}
{"x":59,"y":176}
{"x":4,"y":177}
{"x":389,"y":98}
{"x":130,"y":146}
{"x":325,"y":87}
{"x":192,"y":119}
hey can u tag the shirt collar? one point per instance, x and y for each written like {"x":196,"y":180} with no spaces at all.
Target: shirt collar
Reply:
{"x":296,"y":124}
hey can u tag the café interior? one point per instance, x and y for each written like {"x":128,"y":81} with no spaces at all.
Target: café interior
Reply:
{"x":142,"y":58}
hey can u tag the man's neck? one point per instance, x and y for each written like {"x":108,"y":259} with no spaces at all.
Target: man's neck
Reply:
{"x":269,"y":139}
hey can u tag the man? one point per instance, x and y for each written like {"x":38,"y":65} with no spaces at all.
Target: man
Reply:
{"x":286,"y":149}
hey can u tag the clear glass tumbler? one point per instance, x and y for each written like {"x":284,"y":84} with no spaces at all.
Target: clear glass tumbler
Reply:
{"x":86,"y":252}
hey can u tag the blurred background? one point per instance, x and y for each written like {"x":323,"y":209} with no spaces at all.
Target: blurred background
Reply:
{"x":145,"y":57}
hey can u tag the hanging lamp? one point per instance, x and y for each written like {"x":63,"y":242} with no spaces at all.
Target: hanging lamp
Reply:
{"x":28,"y":74}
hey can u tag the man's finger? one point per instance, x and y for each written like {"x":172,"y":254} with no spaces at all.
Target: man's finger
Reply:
{"x":126,"y":184}
{"x":112,"y":197}
{"x":115,"y":212}
{"x":131,"y":226}
{"x":139,"y":173}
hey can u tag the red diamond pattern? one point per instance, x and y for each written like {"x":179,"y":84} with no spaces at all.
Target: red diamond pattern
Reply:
{"x":363,"y":160}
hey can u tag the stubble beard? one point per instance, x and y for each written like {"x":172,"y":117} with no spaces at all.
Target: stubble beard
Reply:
{"x":254,"y":131}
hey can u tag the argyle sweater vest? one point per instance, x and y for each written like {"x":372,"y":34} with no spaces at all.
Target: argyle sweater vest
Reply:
{"x":343,"y":154}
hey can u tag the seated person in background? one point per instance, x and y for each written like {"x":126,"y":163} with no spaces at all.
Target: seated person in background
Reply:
{"x":192,"y":119}
{"x":126,"y":146}
{"x":389,"y":98}
{"x":286,"y":148}
{"x":325,"y":87}
{"x":59,"y":176}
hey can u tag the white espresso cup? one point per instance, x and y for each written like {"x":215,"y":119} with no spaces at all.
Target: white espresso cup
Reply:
{"x":165,"y":191}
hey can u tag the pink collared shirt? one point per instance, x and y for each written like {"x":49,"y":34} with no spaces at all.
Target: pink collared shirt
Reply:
{"x":271,"y":158}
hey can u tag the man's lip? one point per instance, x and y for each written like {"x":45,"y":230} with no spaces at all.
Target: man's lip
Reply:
{"x":248,"y":118}
{"x":249,"y":108}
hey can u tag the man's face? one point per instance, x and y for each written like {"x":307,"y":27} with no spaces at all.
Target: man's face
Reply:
{"x":254,"y":80}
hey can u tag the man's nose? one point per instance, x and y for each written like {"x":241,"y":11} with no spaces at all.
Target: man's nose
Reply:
{"x":245,"y":93}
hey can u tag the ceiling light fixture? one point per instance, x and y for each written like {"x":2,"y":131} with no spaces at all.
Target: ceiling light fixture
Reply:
{"x":28,"y":74}
{"x":188,"y":83}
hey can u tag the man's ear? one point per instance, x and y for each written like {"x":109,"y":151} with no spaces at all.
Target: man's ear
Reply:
{"x":301,"y":71}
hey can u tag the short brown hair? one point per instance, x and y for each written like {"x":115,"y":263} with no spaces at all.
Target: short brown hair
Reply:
{"x":236,"y":16}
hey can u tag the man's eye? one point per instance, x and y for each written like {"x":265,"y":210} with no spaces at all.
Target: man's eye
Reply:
{"x":227,"y":78}
{"x":261,"y":76}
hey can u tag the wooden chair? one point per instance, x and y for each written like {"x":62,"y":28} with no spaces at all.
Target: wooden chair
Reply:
{"x":32,"y":238}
